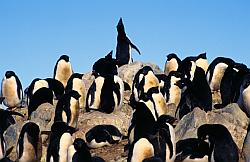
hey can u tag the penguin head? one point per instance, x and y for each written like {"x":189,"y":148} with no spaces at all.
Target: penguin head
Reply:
{"x":148,"y":95}
{"x":146,"y":69}
{"x":32,"y":129}
{"x":120,"y":26}
{"x":79,"y":144}
{"x":202,"y":56}
{"x":65,"y":58}
{"x":9,"y":74}
{"x":163,"y":119}
{"x":172,"y":56}
{"x":73,"y":94}
{"x":60,"y":127}
{"x":105,"y":66}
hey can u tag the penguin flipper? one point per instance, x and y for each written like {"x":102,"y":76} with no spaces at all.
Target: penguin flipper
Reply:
{"x":133,"y":46}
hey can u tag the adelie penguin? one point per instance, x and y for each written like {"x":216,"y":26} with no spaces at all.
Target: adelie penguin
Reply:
{"x":192,"y":150}
{"x":79,"y":152}
{"x":222,"y":147}
{"x":29,"y":144}
{"x":244,"y":98}
{"x":124,"y":46}
{"x":106,"y":92}
{"x":76,"y":83}
{"x":63,"y":69}
{"x":11,"y":90}
{"x":6,"y":120}
{"x":60,"y":141}
{"x":67,"y":108}
{"x":103,"y":135}
{"x":172,"y":63}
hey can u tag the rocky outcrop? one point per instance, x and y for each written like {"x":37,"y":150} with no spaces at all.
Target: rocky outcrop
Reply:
{"x":231,"y":117}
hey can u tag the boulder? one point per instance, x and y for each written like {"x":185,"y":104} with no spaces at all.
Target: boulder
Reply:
{"x":231,"y":117}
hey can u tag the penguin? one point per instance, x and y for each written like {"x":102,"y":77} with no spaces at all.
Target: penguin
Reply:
{"x":76,"y":83}
{"x":201,"y":61}
{"x":124,"y":46}
{"x":67,"y":108}
{"x":11,"y":89}
{"x":222,"y":147}
{"x":174,"y":88}
{"x":42,"y":95}
{"x":79,"y":152}
{"x":142,"y":121}
{"x":192,"y":150}
{"x":244,"y":99}
{"x":105,"y":94}
{"x":103,"y":135}
{"x":230,"y":84}
{"x":160,"y":143}
{"x":216,"y":70}
{"x":246,"y":146}
{"x":144,"y":80}
{"x":105,"y":66}
{"x":172,"y":63}
{"x":6,"y":120}
{"x":60,"y":141}
{"x":63,"y":69}
{"x":29,"y":144}
{"x":141,"y":150}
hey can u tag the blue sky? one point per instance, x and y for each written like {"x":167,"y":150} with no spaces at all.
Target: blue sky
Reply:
{"x":33,"y":34}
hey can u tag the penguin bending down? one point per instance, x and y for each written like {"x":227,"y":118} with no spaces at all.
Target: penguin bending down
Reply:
{"x":222,"y":147}
{"x":6,"y":120}
{"x":124,"y":46}
{"x":102,"y":135}
{"x":42,"y":95}
{"x":76,"y":83}
{"x":11,"y":90}
{"x":216,"y":70}
{"x":105,"y":94}
{"x":60,"y":141}
{"x":29,"y":145}
{"x":63,"y":69}
{"x":144,"y":80}
{"x":172,"y":63}
{"x":67,"y":108}
{"x":105,"y":66}
{"x":192,"y":150}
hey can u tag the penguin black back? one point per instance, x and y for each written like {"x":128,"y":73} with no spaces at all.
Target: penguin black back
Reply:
{"x":222,"y":147}
{"x":42,"y":95}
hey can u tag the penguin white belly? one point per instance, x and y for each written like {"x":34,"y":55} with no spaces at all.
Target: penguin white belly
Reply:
{"x":65,"y":142}
{"x":204,"y":159}
{"x":10,"y":93}
{"x":97,"y":95}
{"x":79,"y":86}
{"x":94,"y":144}
{"x":71,"y":152}
{"x":218,"y":73}
{"x":74,"y":108}
{"x":63,"y":72}
{"x":142,"y":149}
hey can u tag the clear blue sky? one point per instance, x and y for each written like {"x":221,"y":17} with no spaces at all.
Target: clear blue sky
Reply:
{"x":33,"y":34}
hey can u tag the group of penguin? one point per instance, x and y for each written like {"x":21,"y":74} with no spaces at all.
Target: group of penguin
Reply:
{"x":187,"y":84}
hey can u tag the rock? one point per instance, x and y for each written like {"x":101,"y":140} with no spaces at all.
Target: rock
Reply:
{"x":88,"y":79}
{"x":127,"y":72}
{"x":90,"y":119}
{"x":231,"y":117}
{"x":44,"y":116}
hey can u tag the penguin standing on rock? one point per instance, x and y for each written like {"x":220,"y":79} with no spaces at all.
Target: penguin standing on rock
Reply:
{"x":29,"y":145}
{"x":222,"y":147}
{"x":124,"y":46}
{"x":63,"y":70}
{"x":60,"y":141}
{"x":11,"y":90}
